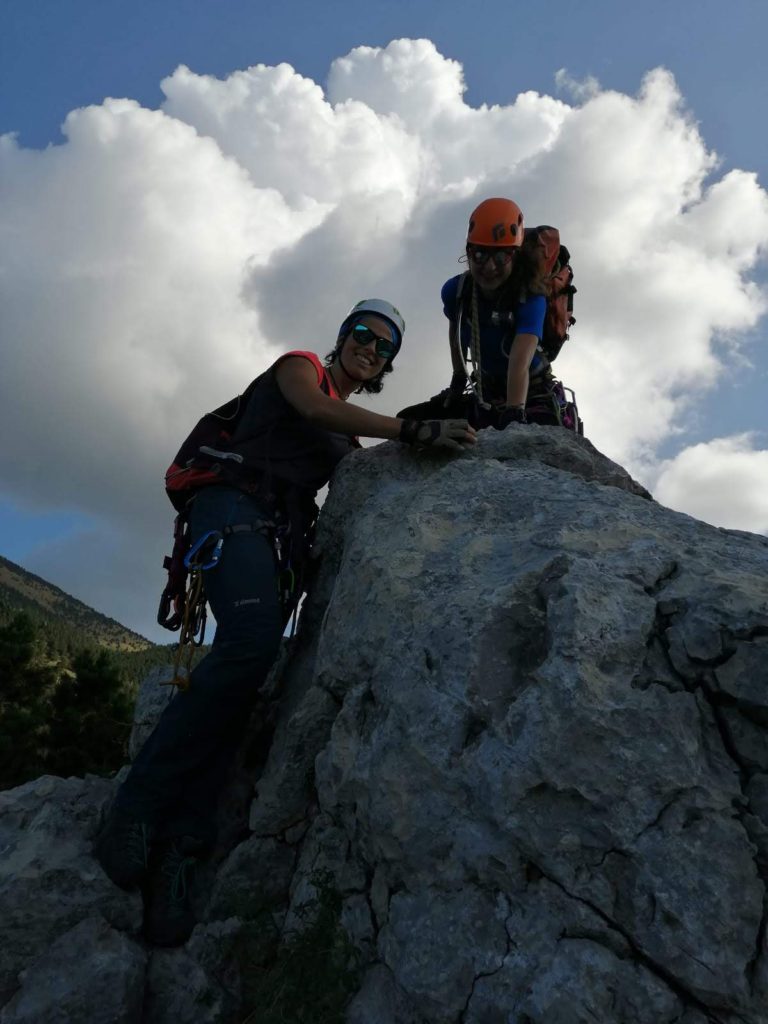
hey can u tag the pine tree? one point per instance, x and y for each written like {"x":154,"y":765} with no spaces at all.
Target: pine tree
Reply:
{"x":91,"y":717}
{"x":26,"y":686}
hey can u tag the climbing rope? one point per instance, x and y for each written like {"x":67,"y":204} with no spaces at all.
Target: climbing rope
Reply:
{"x":475,"y":348}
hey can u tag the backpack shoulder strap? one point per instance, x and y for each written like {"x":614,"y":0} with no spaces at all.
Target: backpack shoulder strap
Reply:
{"x":455,"y":332}
{"x":460,"y":292}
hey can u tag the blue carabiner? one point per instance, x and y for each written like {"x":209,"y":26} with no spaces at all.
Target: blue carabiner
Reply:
{"x":189,"y":558}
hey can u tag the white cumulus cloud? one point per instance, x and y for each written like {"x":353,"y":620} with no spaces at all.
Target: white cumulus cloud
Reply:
{"x":722,"y":482}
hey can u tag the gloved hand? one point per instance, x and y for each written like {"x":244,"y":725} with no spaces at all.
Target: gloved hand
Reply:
{"x":510,"y":414}
{"x":455,"y":434}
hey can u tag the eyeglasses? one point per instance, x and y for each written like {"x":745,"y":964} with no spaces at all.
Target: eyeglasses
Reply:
{"x":501,"y":257}
{"x":385,"y":347}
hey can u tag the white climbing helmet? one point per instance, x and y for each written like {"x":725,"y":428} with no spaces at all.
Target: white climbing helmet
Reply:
{"x":376,"y":307}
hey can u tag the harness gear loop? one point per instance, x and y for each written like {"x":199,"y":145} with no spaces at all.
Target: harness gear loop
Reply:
{"x":192,"y":633}
{"x":290,"y":533}
{"x":170,"y":612}
{"x":204,"y":554}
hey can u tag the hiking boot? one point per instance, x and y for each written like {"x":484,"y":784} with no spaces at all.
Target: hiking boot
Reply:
{"x":122,"y":849}
{"x":169,"y":919}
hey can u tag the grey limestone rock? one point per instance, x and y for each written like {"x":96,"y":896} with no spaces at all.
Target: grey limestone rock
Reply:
{"x":256,"y":877}
{"x":285,"y":789}
{"x":91,"y":974}
{"x":521,"y":733}
{"x":380,"y":1001}
{"x":438,"y":942}
{"x":154,"y":693}
{"x":199,"y":983}
{"x":537,"y":666}
{"x":49,"y":881}
{"x":563,"y":966}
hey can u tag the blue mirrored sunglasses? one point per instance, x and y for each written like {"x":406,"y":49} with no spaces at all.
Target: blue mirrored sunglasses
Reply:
{"x":385,"y":347}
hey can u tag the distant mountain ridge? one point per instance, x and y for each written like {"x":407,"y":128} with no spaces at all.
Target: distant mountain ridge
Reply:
{"x":22,"y":590}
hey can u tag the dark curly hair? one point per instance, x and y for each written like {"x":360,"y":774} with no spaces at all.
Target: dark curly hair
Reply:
{"x":525,"y":279}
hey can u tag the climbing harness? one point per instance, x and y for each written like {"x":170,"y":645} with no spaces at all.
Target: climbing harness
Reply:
{"x":185,"y":592}
{"x":549,"y":402}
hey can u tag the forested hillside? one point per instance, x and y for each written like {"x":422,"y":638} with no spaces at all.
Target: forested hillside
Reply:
{"x":69,"y":620}
{"x":68,"y":678}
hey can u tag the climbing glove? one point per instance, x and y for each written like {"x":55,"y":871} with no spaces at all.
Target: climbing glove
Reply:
{"x":456,"y":434}
{"x":510,"y":414}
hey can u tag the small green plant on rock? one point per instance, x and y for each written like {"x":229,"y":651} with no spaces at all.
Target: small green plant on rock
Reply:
{"x":313,"y":974}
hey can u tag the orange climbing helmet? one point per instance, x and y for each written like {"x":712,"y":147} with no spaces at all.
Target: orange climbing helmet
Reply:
{"x":496,"y":222}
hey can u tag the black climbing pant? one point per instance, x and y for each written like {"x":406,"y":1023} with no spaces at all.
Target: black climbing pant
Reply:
{"x":175,"y":781}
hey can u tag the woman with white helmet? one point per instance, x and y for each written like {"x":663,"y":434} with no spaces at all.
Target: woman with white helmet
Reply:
{"x":254,"y":477}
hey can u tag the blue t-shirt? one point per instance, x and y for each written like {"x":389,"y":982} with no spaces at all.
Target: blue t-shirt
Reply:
{"x":496,"y":332}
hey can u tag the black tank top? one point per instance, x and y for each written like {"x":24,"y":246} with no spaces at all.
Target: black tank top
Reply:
{"x":279,"y":443}
{"x":260,"y":443}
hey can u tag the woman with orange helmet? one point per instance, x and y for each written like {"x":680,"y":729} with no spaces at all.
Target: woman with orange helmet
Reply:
{"x":496,"y":313}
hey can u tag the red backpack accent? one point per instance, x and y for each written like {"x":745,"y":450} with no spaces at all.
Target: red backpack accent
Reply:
{"x":559,"y":317}
{"x":188,"y":471}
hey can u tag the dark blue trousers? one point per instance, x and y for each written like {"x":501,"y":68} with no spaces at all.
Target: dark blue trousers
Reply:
{"x":175,"y":781}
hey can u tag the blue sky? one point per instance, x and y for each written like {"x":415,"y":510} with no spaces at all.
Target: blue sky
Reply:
{"x":58,"y":55}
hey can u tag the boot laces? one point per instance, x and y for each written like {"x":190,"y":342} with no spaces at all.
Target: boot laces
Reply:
{"x":175,"y":871}
{"x":132,"y":836}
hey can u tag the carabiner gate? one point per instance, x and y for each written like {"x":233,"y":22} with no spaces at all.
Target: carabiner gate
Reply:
{"x":213,"y":539}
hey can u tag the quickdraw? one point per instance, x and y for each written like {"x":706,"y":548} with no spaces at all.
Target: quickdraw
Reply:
{"x":170,"y":613}
{"x":203,"y":554}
